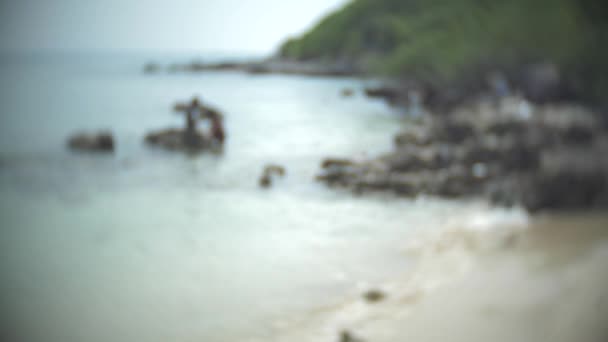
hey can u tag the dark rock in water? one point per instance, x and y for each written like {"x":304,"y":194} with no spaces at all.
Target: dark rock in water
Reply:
{"x":333,"y":162}
{"x":92,"y":142}
{"x":339,"y":171}
{"x":347,"y":336}
{"x":374,"y":296}
{"x":347,"y":92}
{"x":180,"y":140}
{"x":222,"y":66}
{"x":151,"y":68}
{"x":265,"y":181}
{"x":269,"y":172}
{"x":294,"y":67}
{"x":391,"y":95}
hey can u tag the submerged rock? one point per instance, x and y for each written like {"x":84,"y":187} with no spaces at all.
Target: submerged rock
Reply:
{"x":92,"y":142}
{"x":270,"y":171}
{"x":374,"y":296}
{"x":151,"y":68}
{"x":347,"y":92}
{"x":389,"y":94}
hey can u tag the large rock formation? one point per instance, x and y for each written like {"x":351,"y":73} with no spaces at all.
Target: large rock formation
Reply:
{"x":180,"y":140}
{"x":542,"y":157}
{"x":190,"y":139}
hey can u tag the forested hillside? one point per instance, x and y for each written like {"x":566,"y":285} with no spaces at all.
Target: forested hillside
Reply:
{"x":444,"y":40}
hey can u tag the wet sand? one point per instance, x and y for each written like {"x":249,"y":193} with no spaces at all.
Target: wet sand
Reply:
{"x":543,"y":281}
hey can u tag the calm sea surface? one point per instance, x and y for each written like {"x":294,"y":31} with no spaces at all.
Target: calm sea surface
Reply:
{"x":147,"y":245}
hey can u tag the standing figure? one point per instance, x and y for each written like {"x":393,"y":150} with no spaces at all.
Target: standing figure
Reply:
{"x":193,"y":113}
{"x":217,"y":128}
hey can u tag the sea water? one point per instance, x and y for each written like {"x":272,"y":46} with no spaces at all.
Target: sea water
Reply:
{"x":149,"y":245}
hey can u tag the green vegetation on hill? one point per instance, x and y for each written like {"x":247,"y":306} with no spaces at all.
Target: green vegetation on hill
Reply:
{"x":446,"y":39}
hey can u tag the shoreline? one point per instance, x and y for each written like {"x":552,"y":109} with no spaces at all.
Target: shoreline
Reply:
{"x":526,"y":283}
{"x":271,"y":65}
{"x":517,"y":139}
{"x":508,"y":151}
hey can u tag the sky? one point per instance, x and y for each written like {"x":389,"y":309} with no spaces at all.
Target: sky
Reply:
{"x":256,"y":26}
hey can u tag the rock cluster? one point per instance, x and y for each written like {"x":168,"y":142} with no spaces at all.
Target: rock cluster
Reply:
{"x":179,"y":140}
{"x":190,"y":139}
{"x":540,"y":83}
{"x":270,"y":172}
{"x":512,"y":152}
{"x":92,"y":142}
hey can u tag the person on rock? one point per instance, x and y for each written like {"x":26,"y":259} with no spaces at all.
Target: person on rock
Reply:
{"x":217,"y":129}
{"x":193,"y":113}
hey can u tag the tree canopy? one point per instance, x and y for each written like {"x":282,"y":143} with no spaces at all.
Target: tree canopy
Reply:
{"x":446,"y":38}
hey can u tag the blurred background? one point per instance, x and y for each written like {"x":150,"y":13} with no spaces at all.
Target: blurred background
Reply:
{"x":352,"y":170}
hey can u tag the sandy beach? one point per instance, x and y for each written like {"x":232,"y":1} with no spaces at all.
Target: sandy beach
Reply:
{"x":545,"y":280}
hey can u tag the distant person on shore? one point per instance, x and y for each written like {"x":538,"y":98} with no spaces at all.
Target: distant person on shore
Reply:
{"x":499,"y":87}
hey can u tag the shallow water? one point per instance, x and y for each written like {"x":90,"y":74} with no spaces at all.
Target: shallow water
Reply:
{"x":146,"y":245}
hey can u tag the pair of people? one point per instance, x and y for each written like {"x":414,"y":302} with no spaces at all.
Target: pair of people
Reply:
{"x":195,"y":111}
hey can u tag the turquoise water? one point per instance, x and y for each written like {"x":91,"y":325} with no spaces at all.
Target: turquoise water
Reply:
{"x":146,"y":245}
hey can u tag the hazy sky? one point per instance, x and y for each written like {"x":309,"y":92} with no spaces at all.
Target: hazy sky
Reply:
{"x":203,"y":25}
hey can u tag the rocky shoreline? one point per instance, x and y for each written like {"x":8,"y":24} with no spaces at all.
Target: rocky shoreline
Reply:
{"x":508,"y":150}
{"x":520,"y":137}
